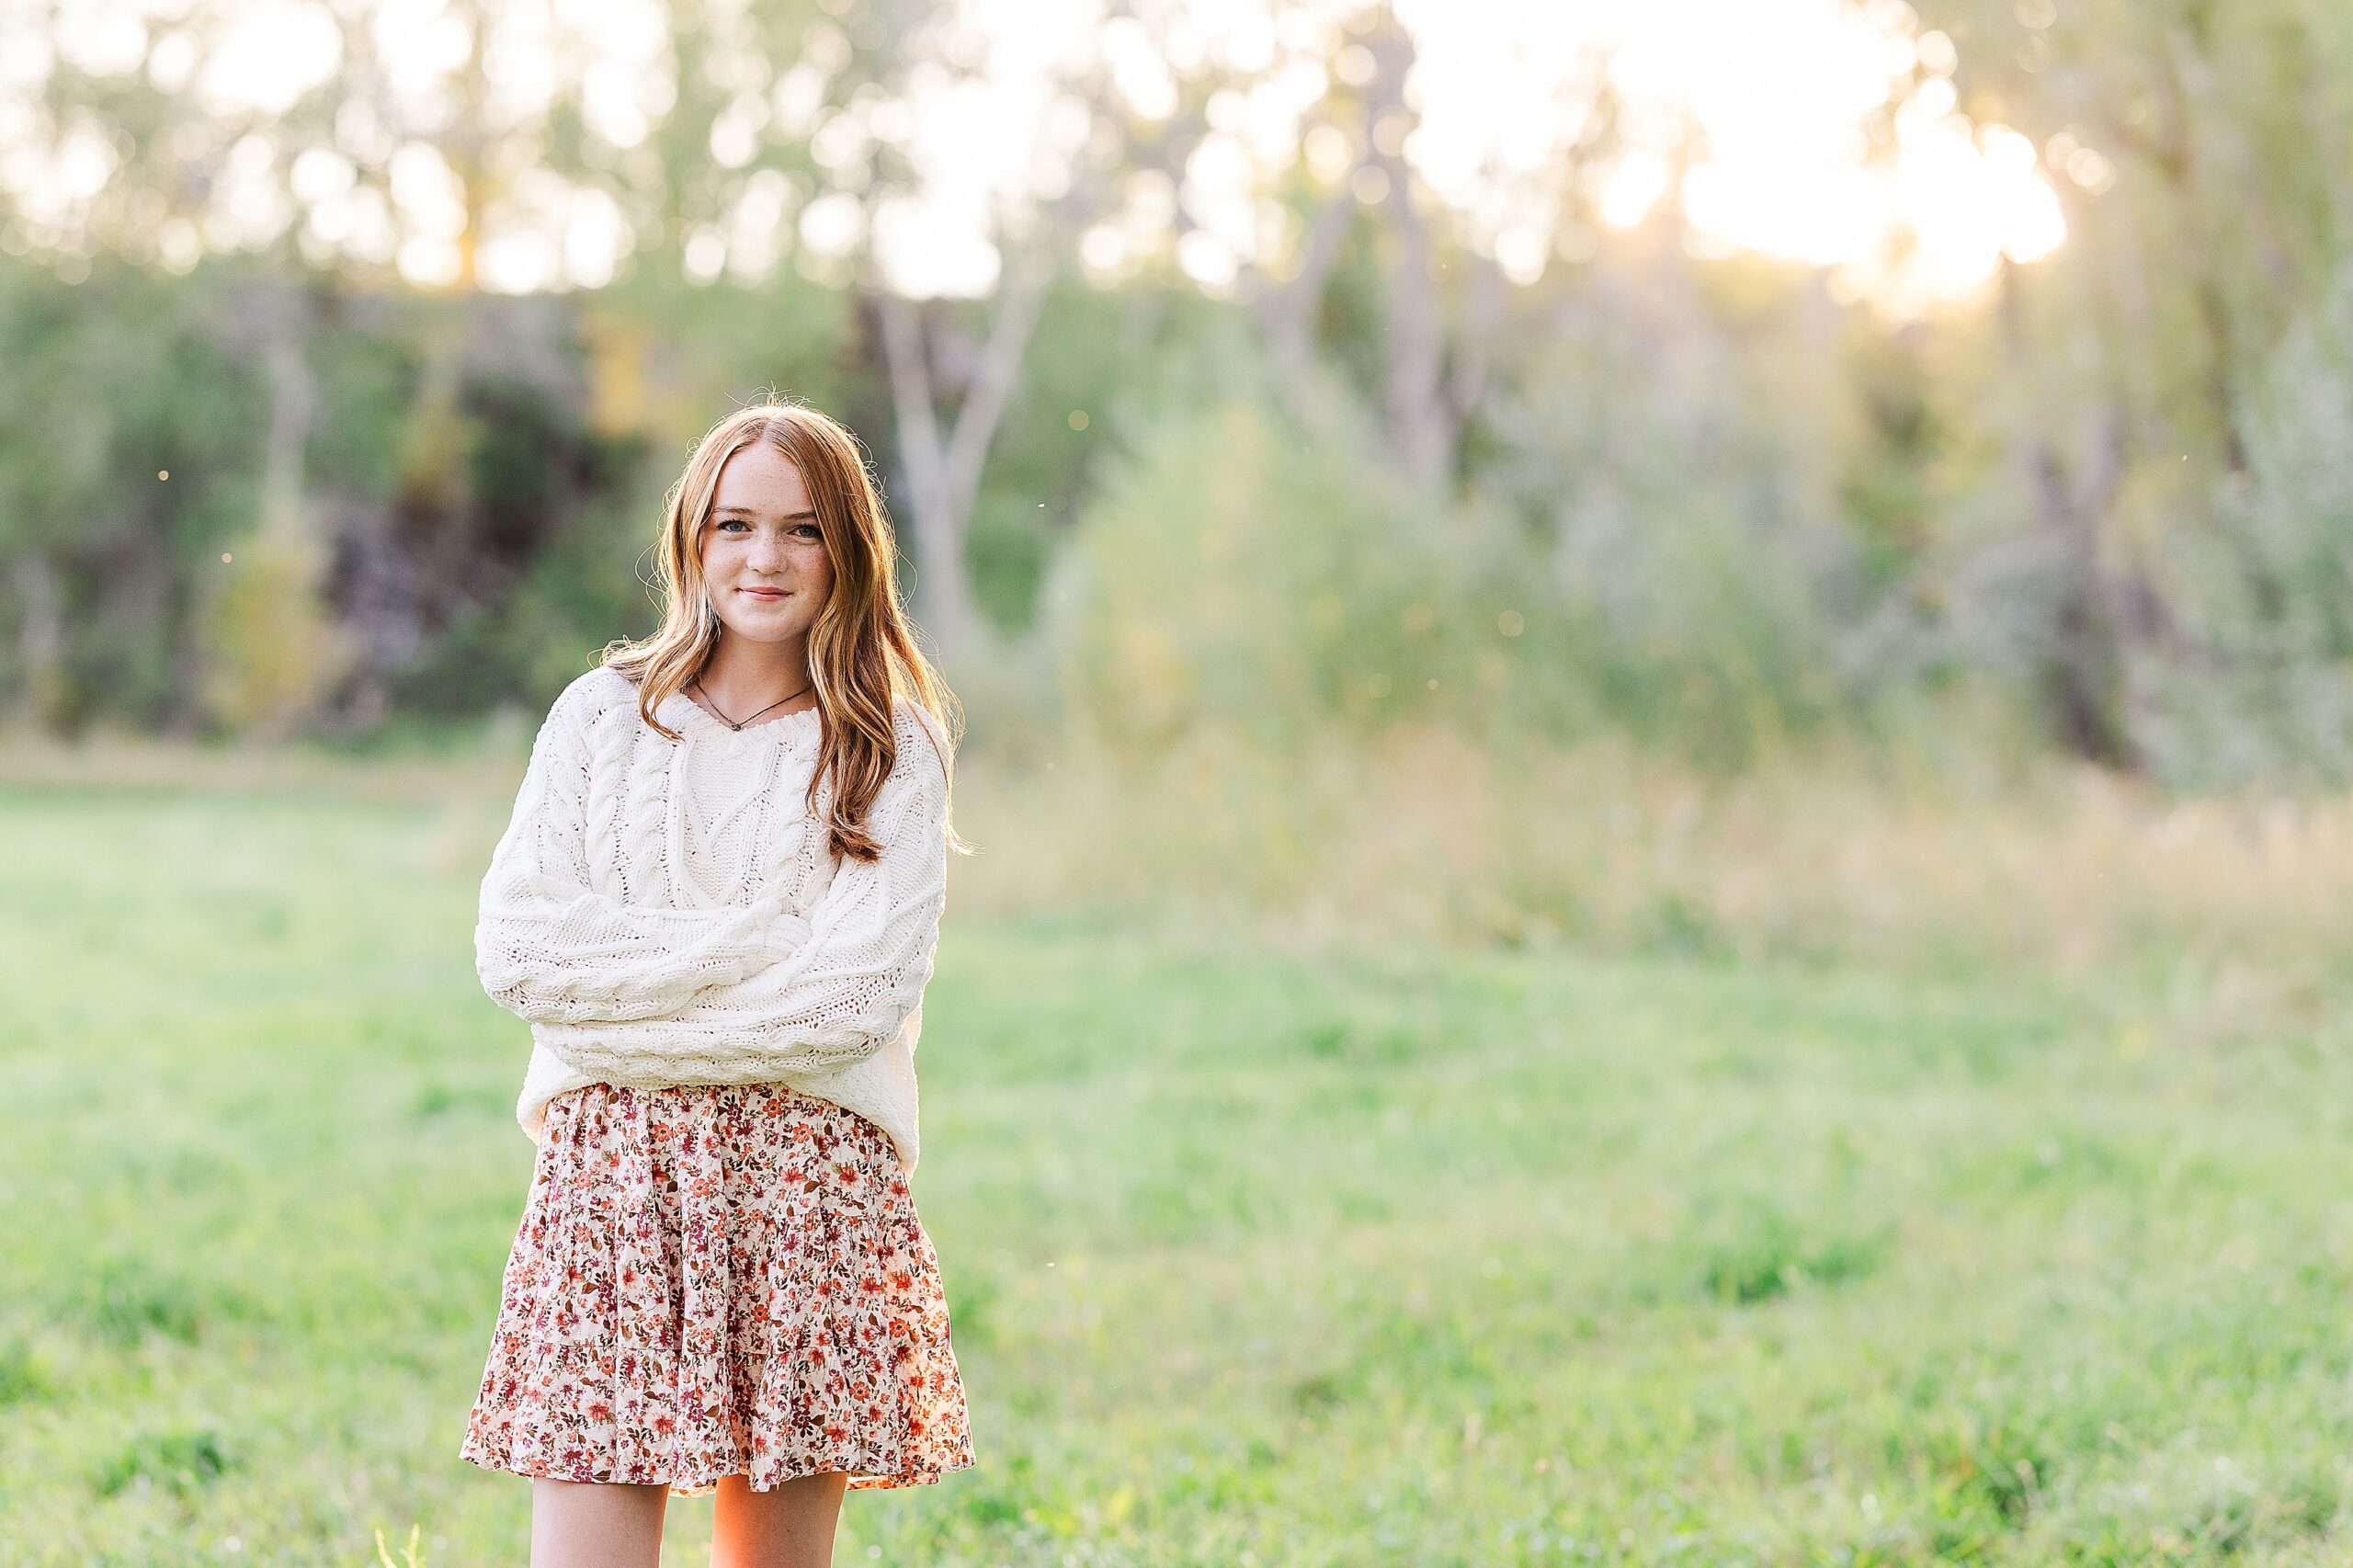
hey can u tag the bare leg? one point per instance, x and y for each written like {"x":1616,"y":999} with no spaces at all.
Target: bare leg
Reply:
{"x":577,"y":1524}
{"x":790,"y":1526}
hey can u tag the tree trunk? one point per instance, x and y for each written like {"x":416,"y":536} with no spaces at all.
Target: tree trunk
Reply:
{"x":1421,"y":422}
{"x":273,"y":647}
{"x":2083,"y":661}
{"x":943,"y":468}
{"x":2084,"y":672}
{"x":40,"y":639}
{"x":1285,"y":313}
{"x":293,"y":401}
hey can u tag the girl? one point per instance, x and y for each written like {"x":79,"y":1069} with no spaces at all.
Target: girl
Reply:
{"x":717,"y":904}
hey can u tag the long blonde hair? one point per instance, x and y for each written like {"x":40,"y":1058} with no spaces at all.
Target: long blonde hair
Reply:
{"x":862,"y":652}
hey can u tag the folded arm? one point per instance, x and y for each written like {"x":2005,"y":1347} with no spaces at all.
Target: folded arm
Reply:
{"x":840,"y":995}
{"x":551,"y":950}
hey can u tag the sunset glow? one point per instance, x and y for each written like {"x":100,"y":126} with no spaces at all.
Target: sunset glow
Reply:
{"x":1747,"y":116}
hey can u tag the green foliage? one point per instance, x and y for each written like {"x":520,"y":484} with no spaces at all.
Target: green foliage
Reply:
{"x":1756,"y":1250}
{"x":367,"y":373}
{"x":1096,"y":353}
{"x":2258,"y":679}
{"x":22,"y":1376}
{"x":180,"y":1460}
{"x":667,"y":356}
{"x":578,"y":587}
{"x":108,"y":386}
{"x":129,"y":1302}
{"x":1675,"y":549}
{"x":272,"y":648}
{"x":1236,"y":574}
{"x":1239,"y":570}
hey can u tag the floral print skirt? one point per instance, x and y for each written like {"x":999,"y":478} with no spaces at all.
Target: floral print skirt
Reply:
{"x":715,"y":1281}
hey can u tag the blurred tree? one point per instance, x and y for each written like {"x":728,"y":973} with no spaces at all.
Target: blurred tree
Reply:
{"x":953,"y":367}
{"x":1435,"y":354}
{"x":125,"y":484}
{"x":2201,"y":145}
{"x":428,"y":312}
{"x":275,"y":651}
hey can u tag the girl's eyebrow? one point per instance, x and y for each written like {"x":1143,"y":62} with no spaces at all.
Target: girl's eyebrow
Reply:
{"x":748,"y":511}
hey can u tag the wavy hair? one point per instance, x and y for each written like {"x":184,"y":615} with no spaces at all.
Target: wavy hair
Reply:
{"x":862,"y":652}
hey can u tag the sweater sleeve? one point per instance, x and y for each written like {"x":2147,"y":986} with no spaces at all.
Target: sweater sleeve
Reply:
{"x":841,"y":995}
{"x":551,"y":949}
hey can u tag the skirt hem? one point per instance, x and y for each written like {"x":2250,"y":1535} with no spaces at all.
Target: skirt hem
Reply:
{"x":858,"y":1480}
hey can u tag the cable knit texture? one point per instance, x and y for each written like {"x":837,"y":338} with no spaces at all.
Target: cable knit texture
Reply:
{"x":668,"y":913}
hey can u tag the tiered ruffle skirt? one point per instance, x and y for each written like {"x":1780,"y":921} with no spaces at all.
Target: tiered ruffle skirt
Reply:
{"x":715,"y":1281}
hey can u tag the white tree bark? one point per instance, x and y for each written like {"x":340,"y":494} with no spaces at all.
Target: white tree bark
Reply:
{"x":40,"y":635}
{"x":943,"y":463}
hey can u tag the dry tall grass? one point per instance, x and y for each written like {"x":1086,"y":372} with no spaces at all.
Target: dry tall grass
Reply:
{"x":2234,"y":911}
{"x":2237,"y":908}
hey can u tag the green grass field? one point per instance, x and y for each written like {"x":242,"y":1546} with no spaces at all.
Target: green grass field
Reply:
{"x":1253,"y":1257}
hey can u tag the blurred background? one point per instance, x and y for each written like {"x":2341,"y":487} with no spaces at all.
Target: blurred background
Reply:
{"x":1660,"y":697}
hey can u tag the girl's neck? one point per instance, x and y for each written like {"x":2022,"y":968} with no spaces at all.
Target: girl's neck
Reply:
{"x":742,"y":675}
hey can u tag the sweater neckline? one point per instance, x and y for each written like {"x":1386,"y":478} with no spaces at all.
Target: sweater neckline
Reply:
{"x":685,"y":715}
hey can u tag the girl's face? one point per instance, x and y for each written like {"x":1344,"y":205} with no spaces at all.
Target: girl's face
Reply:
{"x":762,"y":554}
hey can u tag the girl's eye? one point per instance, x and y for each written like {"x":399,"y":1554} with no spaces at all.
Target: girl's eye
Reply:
{"x":801,"y":530}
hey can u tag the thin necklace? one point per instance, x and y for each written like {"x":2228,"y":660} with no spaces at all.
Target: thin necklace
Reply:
{"x":734,"y":724}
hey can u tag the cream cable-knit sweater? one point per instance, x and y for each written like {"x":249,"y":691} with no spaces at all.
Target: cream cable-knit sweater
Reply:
{"x":668,"y":913}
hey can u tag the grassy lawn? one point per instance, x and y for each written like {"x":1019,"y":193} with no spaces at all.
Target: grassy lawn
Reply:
{"x":1254,"y":1258}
